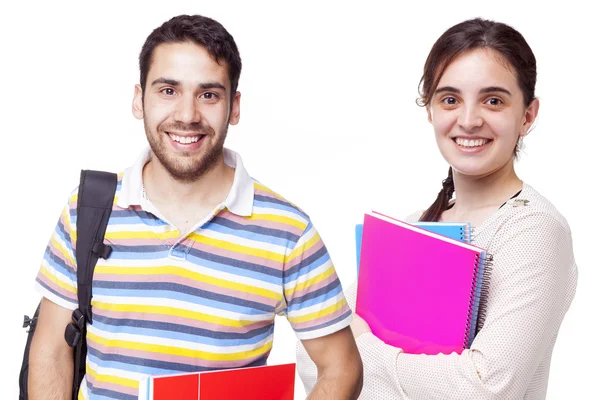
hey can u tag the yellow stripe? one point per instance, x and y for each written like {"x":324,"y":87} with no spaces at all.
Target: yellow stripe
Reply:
{"x":61,"y":284}
{"x":304,"y":248}
{"x":238,"y":248}
{"x":179,"y":351}
{"x":318,"y":314}
{"x":172,"y":311}
{"x":278,"y":218}
{"x":182,"y":272}
{"x":117,"y":380}
{"x":266,"y":189}
{"x":312,"y":281}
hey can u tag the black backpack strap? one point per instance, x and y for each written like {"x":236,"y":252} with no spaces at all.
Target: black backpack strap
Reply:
{"x":94,"y":205}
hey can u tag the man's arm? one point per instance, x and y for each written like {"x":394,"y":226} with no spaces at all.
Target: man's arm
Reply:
{"x":340,"y":370}
{"x":50,"y":357}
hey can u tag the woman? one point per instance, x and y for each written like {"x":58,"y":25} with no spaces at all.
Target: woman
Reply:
{"x":478,"y":88}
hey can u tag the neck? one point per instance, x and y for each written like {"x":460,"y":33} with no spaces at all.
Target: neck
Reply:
{"x":209,"y":190}
{"x":489,"y":191}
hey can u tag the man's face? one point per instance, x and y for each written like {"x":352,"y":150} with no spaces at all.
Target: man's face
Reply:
{"x":186,"y":108}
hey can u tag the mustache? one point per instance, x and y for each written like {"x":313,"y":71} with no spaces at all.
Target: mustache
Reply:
{"x":196,"y":127}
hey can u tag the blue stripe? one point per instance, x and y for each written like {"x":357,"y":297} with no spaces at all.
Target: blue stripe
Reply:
{"x":267,"y":202}
{"x":63,"y":235}
{"x":177,"y":335}
{"x":59,"y":265}
{"x":110,"y":394}
{"x":234,"y":266}
{"x":307,"y":265}
{"x":326,"y":324}
{"x":252,"y":232}
{"x":188,"y":329}
{"x":176,"y":291}
{"x":151,"y":367}
{"x":317,"y":297}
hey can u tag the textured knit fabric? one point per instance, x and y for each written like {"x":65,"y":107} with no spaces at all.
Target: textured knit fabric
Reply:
{"x":533,"y":282}
{"x":168,"y":302}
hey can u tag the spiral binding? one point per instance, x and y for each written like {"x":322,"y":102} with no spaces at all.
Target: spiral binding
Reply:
{"x":482,"y":297}
{"x":484,"y":292}
{"x":466,"y":233}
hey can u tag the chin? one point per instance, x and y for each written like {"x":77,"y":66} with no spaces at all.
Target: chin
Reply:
{"x":471,"y":169}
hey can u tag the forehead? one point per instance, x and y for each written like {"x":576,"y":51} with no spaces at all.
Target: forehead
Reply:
{"x":188,"y":63}
{"x":477,"y":69}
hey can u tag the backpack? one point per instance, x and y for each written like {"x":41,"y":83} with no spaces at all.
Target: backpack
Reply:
{"x":94,"y":206}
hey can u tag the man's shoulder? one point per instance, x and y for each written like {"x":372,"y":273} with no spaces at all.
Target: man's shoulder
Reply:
{"x":269,"y":202}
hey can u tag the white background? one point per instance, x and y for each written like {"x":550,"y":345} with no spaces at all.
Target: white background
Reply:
{"x":328,"y":120}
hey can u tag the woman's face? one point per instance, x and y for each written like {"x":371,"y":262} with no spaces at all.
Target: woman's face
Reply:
{"x":478,"y":113}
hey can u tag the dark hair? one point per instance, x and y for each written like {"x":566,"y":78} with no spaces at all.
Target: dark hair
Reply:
{"x":203,"y":31}
{"x":465,"y":36}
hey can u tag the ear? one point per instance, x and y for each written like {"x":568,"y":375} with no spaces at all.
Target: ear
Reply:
{"x":234,"y":115}
{"x":137,"y":106}
{"x":531,"y":114}
{"x":428,"y":114}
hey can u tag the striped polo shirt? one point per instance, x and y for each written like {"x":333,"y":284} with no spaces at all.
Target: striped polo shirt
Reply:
{"x":166,"y":303}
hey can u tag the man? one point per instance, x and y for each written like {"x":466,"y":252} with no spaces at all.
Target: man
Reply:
{"x":203,"y":256}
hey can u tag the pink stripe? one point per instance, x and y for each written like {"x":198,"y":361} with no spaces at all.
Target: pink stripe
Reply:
{"x":322,"y":320}
{"x":197,"y":362}
{"x":151,"y":317}
{"x":162,"y":278}
{"x":58,"y":289}
{"x":56,"y":252}
{"x":262,"y":223}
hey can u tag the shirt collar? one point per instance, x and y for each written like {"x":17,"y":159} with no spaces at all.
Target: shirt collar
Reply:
{"x":240,"y":199}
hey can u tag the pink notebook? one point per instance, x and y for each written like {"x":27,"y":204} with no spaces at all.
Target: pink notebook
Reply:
{"x":418,"y":290}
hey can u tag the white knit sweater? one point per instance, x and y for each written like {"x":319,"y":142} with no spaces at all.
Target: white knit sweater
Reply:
{"x":532,"y":285}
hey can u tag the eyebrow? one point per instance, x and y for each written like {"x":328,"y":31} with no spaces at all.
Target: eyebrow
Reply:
{"x":490,"y":89}
{"x":173,"y":82}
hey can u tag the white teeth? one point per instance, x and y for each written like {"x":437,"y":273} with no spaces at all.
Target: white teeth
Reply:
{"x":184,"y":139}
{"x":471,"y":142}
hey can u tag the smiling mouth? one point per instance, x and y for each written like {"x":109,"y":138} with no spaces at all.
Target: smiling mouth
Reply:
{"x":185,"y":139}
{"x":470,"y":143}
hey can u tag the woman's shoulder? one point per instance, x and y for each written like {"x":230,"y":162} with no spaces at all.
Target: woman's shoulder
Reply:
{"x":531,"y":205}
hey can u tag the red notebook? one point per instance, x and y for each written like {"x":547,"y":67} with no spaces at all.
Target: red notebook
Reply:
{"x":272,"y":382}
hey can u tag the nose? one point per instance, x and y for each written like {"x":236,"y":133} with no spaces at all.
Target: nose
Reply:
{"x":188,"y":110}
{"x":470,"y":118}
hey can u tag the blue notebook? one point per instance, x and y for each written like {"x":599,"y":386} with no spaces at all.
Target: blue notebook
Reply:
{"x":454,"y":230}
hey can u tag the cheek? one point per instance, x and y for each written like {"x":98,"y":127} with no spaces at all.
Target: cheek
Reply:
{"x":442,"y":124}
{"x":504,"y":127}
{"x":216,"y":116}
{"x":156,"y":113}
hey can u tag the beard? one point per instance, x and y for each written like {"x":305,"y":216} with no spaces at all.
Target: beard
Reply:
{"x":186,"y":167}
